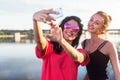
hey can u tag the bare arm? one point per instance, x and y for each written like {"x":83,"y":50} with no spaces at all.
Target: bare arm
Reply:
{"x":41,"y":16}
{"x":56,"y":35}
{"x":77,"y":56}
{"x":38,"y":34}
{"x":114,"y":60}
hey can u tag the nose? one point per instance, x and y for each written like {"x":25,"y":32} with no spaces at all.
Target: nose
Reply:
{"x":71,"y":29}
{"x":91,"y":23}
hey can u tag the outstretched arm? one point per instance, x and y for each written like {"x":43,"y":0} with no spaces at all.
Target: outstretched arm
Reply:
{"x":57,"y":36}
{"x":41,"y":16}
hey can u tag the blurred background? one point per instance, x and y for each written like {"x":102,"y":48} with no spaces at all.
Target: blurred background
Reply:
{"x":17,"y":45}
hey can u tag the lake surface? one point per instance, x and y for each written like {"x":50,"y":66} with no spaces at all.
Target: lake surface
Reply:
{"x":18,"y":62}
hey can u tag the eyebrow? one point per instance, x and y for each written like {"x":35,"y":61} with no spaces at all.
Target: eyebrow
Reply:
{"x":95,"y":20}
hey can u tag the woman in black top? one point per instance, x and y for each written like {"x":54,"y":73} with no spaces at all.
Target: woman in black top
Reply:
{"x":100,"y":50}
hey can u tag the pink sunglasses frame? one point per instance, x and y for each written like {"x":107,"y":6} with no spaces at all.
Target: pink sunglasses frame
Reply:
{"x":68,"y":26}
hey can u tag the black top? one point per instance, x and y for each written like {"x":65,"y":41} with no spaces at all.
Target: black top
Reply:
{"x":97,"y":66}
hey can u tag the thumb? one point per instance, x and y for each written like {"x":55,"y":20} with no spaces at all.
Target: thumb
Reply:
{"x":61,"y":31}
{"x":48,"y":36}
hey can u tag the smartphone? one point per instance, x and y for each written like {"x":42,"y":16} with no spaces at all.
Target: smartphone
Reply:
{"x":59,"y":13}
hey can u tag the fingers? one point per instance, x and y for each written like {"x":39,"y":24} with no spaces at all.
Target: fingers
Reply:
{"x":48,"y":36}
{"x":55,"y":34}
{"x":61,"y":32}
{"x":43,"y":15}
{"x":50,"y":11}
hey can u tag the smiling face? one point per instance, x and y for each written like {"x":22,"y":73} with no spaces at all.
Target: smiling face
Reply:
{"x":70,"y":33}
{"x":95,"y":24}
{"x":99,"y":22}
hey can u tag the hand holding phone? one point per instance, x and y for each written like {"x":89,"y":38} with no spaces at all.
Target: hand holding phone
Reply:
{"x":59,"y":13}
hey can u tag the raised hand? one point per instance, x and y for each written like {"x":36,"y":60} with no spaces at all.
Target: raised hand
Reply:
{"x":55,"y":33}
{"x":43,"y":15}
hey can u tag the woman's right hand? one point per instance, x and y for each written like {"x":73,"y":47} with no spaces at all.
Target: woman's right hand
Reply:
{"x":43,"y":15}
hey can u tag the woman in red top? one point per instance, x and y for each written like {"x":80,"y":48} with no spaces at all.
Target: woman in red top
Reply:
{"x":58,"y":50}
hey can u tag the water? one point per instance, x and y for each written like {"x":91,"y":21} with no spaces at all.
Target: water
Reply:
{"x":18,"y":62}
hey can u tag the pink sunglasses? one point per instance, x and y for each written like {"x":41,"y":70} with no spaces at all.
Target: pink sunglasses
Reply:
{"x":68,"y":26}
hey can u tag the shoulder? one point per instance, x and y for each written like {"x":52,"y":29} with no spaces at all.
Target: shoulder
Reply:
{"x":109,"y":44}
{"x":110,"y":47}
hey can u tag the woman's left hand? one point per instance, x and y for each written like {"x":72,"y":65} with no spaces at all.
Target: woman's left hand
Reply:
{"x":55,"y":33}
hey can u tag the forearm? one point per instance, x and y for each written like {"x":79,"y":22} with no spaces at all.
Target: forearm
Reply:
{"x":72,"y":52}
{"x":116,"y":69}
{"x":38,"y":35}
{"x":41,"y":16}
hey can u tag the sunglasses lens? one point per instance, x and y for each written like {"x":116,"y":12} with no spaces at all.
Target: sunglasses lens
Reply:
{"x":67,"y":26}
{"x":75,"y":28}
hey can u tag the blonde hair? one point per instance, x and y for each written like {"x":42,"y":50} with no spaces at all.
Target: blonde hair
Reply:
{"x":107,"y":19}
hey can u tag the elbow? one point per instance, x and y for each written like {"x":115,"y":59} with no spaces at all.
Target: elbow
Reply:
{"x":41,"y":44}
{"x":83,"y":57}
{"x":80,"y":58}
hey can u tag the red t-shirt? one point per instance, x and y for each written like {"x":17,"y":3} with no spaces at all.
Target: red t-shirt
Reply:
{"x":58,"y":66}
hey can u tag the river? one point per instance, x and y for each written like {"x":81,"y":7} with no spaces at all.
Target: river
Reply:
{"x":18,"y":62}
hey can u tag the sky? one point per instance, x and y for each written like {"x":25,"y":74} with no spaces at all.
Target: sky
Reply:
{"x":17,"y":14}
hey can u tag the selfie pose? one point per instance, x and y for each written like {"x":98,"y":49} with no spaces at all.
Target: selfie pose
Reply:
{"x":58,"y":50}
{"x":101,"y":51}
